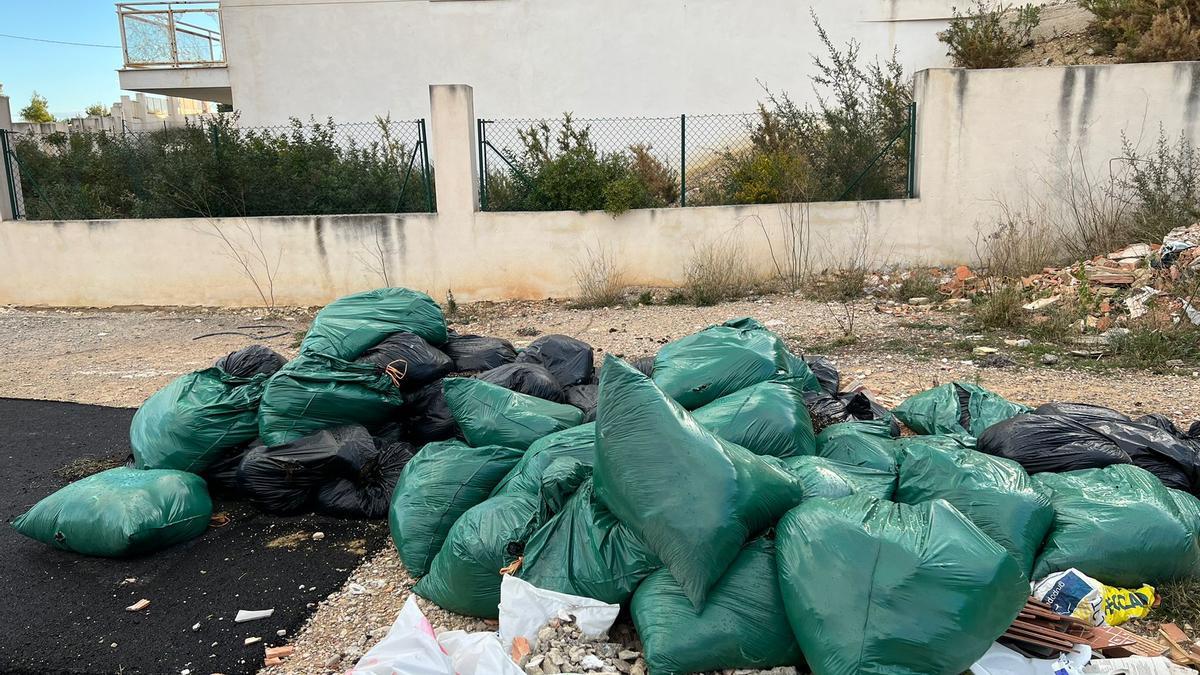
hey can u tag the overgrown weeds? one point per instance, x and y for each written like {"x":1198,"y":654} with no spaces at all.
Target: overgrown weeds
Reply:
{"x":1002,"y":308}
{"x":716,"y":272}
{"x":1147,"y":30}
{"x":1150,"y":347}
{"x":918,"y":284}
{"x":1020,"y":243}
{"x":990,"y":35}
{"x":599,"y":278}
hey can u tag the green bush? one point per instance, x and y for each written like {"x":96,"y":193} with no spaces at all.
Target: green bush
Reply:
{"x":986,"y":38}
{"x":1165,"y":185}
{"x":567,"y":172}
{"x":823,"y":153}
{"x":1147,"y":30}
{"x":216,"y":169}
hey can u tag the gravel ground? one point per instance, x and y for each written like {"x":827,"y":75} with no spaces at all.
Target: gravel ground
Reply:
{"x":120,"y":357}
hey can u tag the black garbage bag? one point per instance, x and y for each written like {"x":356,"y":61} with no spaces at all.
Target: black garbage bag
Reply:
{"x":826,"y":410}
{"x":1173,"y":459}
{"x":427,"y":417}
{"x":1052,"y":443}
{"x":1162,"y":422}
{"x":526,"y":378}
{"x":251,"y":361}
{"x":222,"y":475}
{"x":413,"y":361}
{"x":368,"y":493}
{"x":285,"y":478}
{"x":585,"y":397}
{"x":826,"y":373}
{"x":476,"y":353}
{"x":570,"y":361}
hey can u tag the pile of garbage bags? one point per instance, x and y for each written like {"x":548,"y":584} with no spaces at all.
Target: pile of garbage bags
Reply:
{"x":748,"y":511}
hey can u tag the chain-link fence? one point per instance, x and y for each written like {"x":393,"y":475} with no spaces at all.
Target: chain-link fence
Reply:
{"x":215,"y":168}
{"x":617,"y":164}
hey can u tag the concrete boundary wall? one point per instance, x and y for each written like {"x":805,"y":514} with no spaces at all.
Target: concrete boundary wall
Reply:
{"x":984,"y":137}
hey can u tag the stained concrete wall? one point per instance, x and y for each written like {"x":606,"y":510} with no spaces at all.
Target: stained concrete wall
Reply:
{"x":984,"y":137}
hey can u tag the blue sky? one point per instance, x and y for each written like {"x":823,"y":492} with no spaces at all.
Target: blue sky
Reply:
{"x":70,"y":77}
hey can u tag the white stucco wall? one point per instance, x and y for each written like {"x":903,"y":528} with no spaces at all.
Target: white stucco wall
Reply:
{"x":354,"y":60}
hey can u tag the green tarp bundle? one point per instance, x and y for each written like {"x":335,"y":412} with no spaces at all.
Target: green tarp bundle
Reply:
{"x":121,"y":512}
{"x":768,"y":418}
{"x":576,"y":443}
{"x":492,"y":415}
{"x":437,"y":486}
{"x":876,"y":587}
{"x":191,"y":422}
{"x":868,"y":444}
{"x":720,"y":360}
{"x":960,"y":407}
{"x":584,"y":550}
{"x":314,"y":392}
{"x":821,"y":477}
{"x":691,"y":496}
{"x":996,"y":494}
{"x":465,"y":575}
{"x":351,"y":325}
{"x":743,"y":624}
{"x":1119,"y":525}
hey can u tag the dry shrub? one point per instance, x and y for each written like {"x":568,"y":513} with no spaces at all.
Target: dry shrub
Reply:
{"x":1002,"y":308}
{"x":987,"y":38}
{"x":656,"y":176}
{"x":1147,"y":30}
{"x":1020,"y":244}
{"x":716,"y":272}
{"x":599,"y":279}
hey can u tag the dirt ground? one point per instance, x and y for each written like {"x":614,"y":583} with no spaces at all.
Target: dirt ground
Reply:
{"x":118,"y":357}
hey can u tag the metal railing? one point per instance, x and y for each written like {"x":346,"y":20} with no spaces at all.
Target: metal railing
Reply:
{"x":171,"y":34}
{"x":214,"y":168}
{"x":689,"y":160}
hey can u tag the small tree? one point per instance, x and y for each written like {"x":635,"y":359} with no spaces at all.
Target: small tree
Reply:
{"x":37,"y":110}
{"x":96,"y":110}
{"x":987,"y":38}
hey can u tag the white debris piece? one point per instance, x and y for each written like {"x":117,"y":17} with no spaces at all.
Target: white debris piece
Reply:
{"x":245,"y":615}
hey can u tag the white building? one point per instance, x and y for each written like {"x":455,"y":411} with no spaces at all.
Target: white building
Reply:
{"x":355,"y":59}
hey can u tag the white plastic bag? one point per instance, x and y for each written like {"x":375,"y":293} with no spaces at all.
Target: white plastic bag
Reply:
{"x":525,"y":608}
{"x":1073,"y":593}
{"x":1000,"y":660}
{"x":411,"y":648}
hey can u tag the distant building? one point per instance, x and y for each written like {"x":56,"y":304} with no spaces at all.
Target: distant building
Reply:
{"x":139,"y":113}
{"x":354,"y":60}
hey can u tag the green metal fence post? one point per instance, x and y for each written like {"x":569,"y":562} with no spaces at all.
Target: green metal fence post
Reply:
{"x":425,"y":165}
{"x":8,"y":174}
{"x":683,"y":160}
{"x":482,"y":133}
{"x":912,"y":150}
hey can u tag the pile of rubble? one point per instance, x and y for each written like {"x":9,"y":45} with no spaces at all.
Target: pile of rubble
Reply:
{"x":563,"y":648}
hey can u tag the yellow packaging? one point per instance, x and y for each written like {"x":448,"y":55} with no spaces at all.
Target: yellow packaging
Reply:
{"x":1123,"y":604}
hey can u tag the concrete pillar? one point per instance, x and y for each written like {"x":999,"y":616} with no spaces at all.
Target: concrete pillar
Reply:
{"x":453,"y":144}
{"x":6,"y":212}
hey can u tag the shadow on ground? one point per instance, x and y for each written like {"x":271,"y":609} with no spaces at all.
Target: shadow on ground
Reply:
{"x":65,"y":613}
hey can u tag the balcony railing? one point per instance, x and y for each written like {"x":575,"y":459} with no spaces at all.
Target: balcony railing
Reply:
{"x":171,"y":34}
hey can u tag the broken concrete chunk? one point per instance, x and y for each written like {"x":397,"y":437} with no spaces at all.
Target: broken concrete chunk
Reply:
{"x":1042,"y":303}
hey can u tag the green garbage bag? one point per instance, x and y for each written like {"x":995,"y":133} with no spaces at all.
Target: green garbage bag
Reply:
{"x":121,"y":512}
{"x":867,"y":444}
{"x":191,"y":422}
{"x":314,"y":392}
{"x":720,"y":360}
{"x":437,"y":486}
{"x":768,"y":418}
{"x":577,"y":443}
{"x":691,"y":496}
{"x":560,"y":481}
{"x":351,"y":325}
{"x":960,"y":407}
{"x":821,"y":477}
{"x":492,"y":415}
{"x":995,"y":493}
{"x":743,"y":624}
{"x":1189,"y":507}
{"x":465,"y":575}
{"x":584,"y":550}
{"x":876,"y":587}
{"x":1119,"y":525}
